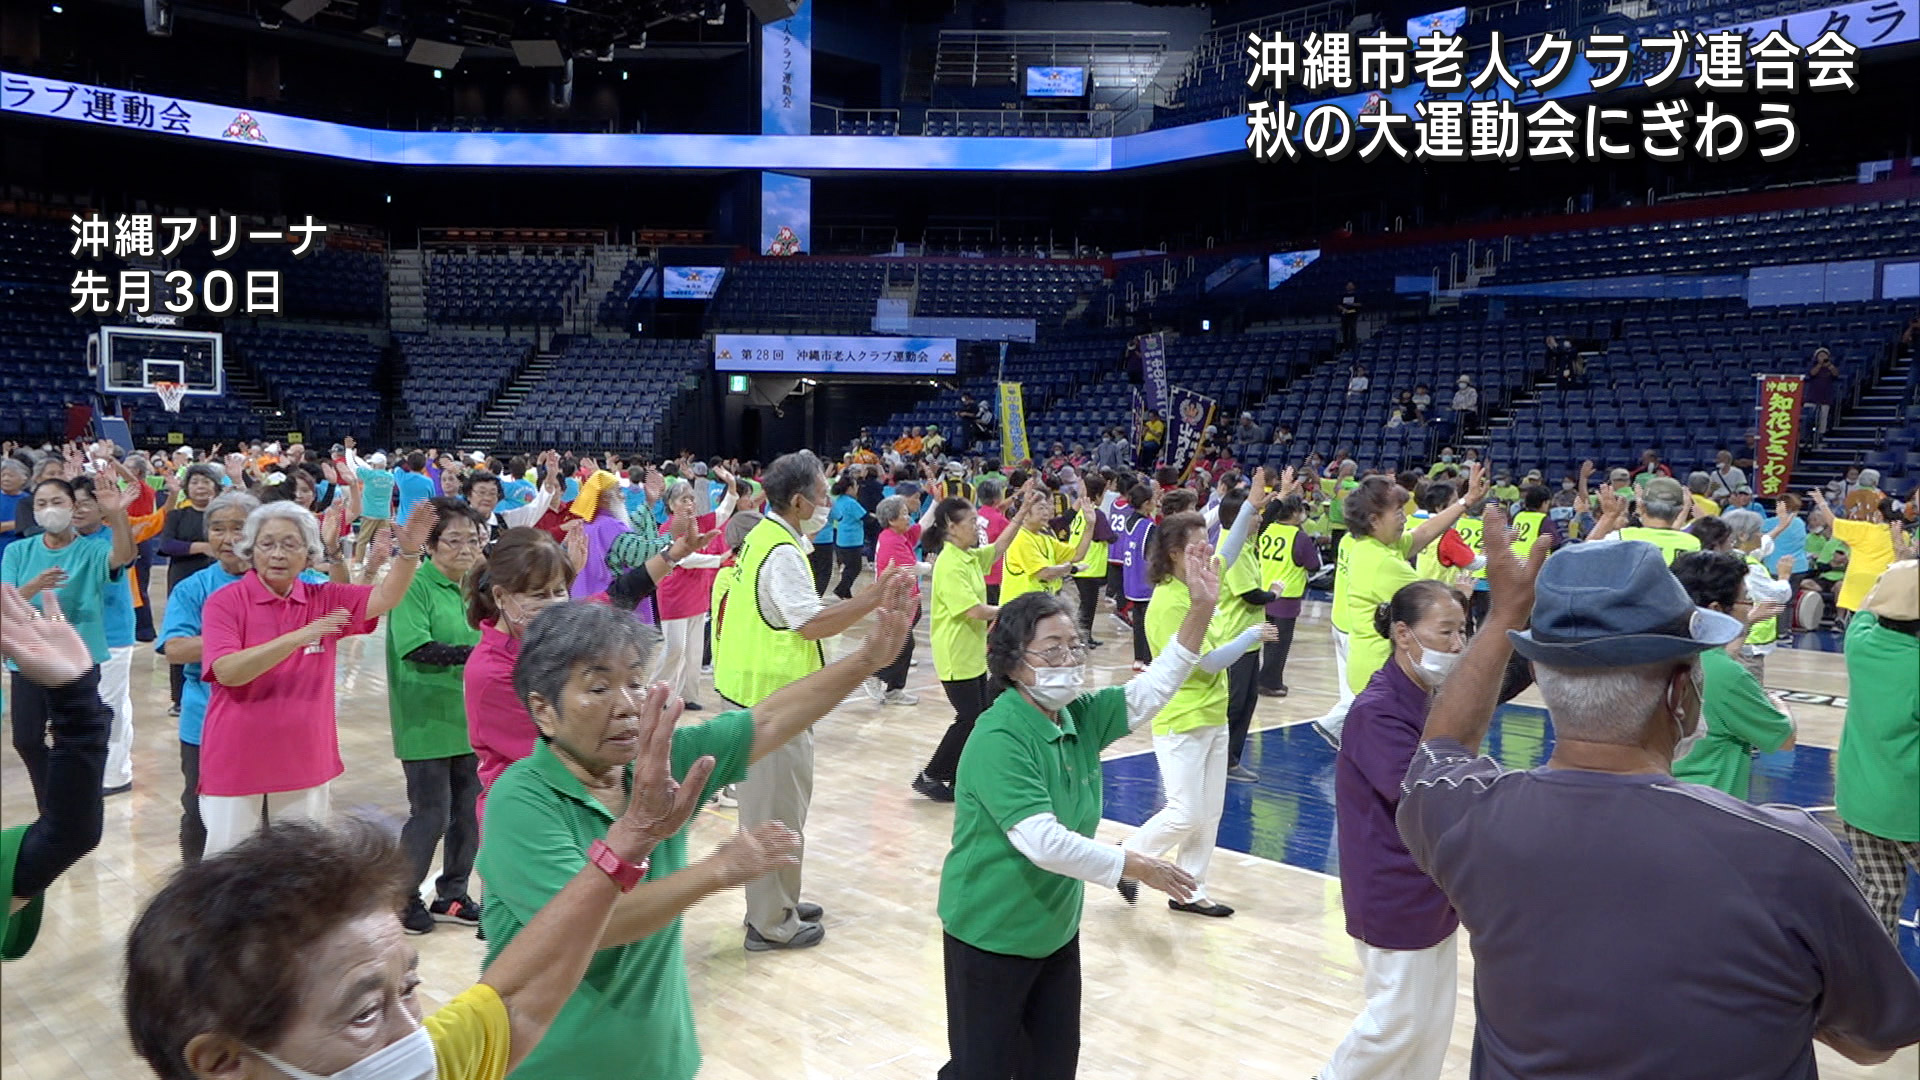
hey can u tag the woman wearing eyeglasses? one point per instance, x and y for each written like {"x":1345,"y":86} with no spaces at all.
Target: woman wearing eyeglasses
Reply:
{"x":271,"y":743}
{"x":1027,"y":801}
{"x":428,"y":642}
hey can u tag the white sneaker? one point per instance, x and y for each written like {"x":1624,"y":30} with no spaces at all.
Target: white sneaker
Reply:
{"x":875,"y":688}
{"x":913,"y":663}
{"x":900,"y":697}
{"x":726,"y":798}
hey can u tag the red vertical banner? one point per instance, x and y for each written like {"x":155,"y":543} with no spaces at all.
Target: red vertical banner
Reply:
{"x":1779,"y":434}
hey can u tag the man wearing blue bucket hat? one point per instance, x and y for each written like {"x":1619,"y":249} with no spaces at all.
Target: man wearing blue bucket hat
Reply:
{"x":1625,"y":924}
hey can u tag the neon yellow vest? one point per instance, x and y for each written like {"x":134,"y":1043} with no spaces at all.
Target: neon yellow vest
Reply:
{"x":752,"y":659}
{"x":1340,"y":578}
{"x":1275,"y":550}
{"x":1233,"y":613}
{"x":1096,"y":560}
{"x":1473,"y":531}
{"x":1427,"y":564}
{"x":1671,"y":542}
{"x":1526,"y":530}
{"x":1768,"y":631}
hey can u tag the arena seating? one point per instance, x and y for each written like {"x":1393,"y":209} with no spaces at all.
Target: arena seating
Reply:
{"x":1725,"y":243}
{"x":323,"y":284}
{"x":777,"y":296}
{"x":1042,"y":291}
{"x":1679,"y":377}
{"x":606,"y":393}
{"x":449,"y":381}
{"x":613,"y":303}
{"x":327,"y":379}
{"x":988,"y":123}
{"x":495,"y":290}
{"x":888,"y":124}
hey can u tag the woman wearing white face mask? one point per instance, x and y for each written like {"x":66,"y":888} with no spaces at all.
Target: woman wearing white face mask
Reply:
{"x":1027,"y":801}
{"x":1401,"y":924}
{"x":325,"y":990}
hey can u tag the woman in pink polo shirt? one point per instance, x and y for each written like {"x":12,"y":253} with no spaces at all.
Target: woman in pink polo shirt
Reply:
{"x":271,"y":741}
{"x":683,"y":596}
{"x":526,"y":573}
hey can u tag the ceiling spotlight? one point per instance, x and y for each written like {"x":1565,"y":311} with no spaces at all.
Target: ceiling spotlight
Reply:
{"x":623,"y":76}
{"x":437,"y":73}
{"x":57,"y":9}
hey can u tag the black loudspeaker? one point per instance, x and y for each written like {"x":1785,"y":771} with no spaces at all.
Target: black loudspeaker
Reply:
{"x":560,"y":86}
{"x":159,"y":17}
{"x":773,"y":10}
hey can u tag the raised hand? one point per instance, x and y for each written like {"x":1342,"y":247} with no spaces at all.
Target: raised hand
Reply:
{"x":43,"y":645}
{"x":1586,"y":471}
{"x":1260,"y":494}
{"x":1159,"y":875}
{"x":1509,"y":580}
{"x":756,"y":851}
{"x":111,"y":499}
{"x":891,"y":625}
{"x":1203,"y":579}
{"x":576,"y":547}
{"x":1477,"y":482}
{"x":687,"y":544}
{"x":655,"y":485}
{"x":658,"y":805}
{"x":333,"y":524}
{"x":1611,"y":505}
{"x":379,"y":549}
{"x":418,"y":526}
{"x":327,"y":625}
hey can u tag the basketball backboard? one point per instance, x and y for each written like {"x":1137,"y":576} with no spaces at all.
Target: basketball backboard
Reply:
{"x":133,"y":358}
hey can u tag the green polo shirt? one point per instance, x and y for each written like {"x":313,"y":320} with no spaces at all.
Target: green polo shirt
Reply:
{"x":1740,"y":718}
{"x":631,"y":1015}
{"x":1876,"y":784}
{"x":24,"y":925}
{"x":427,"y":702}
{"x":1017,"y":764}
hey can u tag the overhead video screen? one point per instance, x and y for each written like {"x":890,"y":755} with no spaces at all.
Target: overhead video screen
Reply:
{"x":1284,"y":264}
{"x":1445,"y":23}
{"x":690,"y":282}
{"x":1065,"y":82}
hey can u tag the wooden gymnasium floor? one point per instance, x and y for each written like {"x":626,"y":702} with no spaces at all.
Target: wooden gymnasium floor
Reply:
{"x":1267,"y":993}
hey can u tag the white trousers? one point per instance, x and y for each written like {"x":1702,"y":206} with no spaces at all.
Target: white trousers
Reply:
{"x":680,"y":660}
{"x":1403,"y":1031}
{"x":1193,"y":770}
{"x":232,"y":818}
{"x":116,"y":690}
{"x":1335,"y":719}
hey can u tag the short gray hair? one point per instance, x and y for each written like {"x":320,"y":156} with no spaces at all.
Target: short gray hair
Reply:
{"x":1699,"y":482}
{"x":739,"y":525}
{"x":890,"y":509}
{"x":1606,"y":705}
{"x":1870,"y":478}
{"x":10,"y":465}
{"x":675,"y":488}
{"x":573,"y":633}
{"x":232,"y":500}
{"x":790,"y":475}
{"x":1743,"y":524}
{"x":283,"y":510}
{"x":988,"y":491}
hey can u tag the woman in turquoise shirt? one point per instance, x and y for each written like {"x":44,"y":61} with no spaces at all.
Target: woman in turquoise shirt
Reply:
{"x":849,"y":523}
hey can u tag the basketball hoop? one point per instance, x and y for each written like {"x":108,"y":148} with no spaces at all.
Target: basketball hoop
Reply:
{"x":171,"y":394}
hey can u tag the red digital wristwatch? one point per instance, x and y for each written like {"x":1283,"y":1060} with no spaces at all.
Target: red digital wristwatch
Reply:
{"x":624,"y":874}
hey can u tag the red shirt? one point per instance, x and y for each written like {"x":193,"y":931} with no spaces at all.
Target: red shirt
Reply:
{"x":894,"y":548}
{"x":688,"y":591}
{"x":996,"y":524}
{"x":278,"y":732}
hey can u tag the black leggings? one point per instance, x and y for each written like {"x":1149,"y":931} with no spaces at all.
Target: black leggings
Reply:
{"x":67,"y":787}
{"x":193,"y":831}
{"x":1011,"y":1016}
{"x":1141,"y":654}
{"x":850,"y":560}
{"x":1089,"y":603}
{"x":1273,"y":658}
{"x":969,"y":698}
{"x":820,"y":559}
{"x":895,"y":674}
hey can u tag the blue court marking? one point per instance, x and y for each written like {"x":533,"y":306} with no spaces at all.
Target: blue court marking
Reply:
{"x":1288,"y":815}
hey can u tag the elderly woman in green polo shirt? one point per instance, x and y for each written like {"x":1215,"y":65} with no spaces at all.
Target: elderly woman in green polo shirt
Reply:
{"x":1027,"y":801}
{"x":428,"y":641}
{"x":580,"y":670}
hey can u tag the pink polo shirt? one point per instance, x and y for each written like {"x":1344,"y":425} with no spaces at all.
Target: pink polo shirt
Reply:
{"x":497,"y":724}
{"x":688,"y":591}
{"x":895,"y":549}
{"x":996,"y":524}
{"x":278,"y":732}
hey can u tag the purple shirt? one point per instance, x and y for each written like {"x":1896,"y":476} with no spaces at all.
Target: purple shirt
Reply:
{"x":594,"y":577}
{"x":1638,"y":926}
{"x":1391,"y":903}
{"x":1133,"y":560}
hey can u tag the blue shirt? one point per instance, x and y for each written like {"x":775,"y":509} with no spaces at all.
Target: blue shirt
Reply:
{"x":184,"y":605}
{"x":515,"y":494}
{"x":89,"y":578}
{"x":117,"y":600}
{"x":1791,"y":542}
{"x":9,"y":506}
{"x":849,"y":522}
{"x":415,"y":488}
{"x":376,"y":493}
